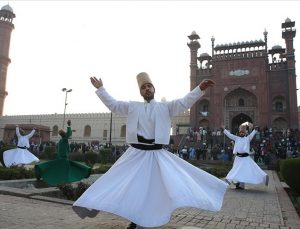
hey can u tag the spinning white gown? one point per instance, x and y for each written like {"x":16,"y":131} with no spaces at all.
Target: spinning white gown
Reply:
{"x":245,"y":169}
{"x":147,"y":186}
{"x":20,"y":155}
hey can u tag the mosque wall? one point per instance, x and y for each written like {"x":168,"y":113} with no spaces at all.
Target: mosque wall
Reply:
{"x":99,"y":124}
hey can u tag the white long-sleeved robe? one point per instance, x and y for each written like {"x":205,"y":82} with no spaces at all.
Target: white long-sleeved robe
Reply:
{"x":244,"y":169}
{"x":146,"y":186}
{"x":162,"y":113}
{"x":18,"y":155}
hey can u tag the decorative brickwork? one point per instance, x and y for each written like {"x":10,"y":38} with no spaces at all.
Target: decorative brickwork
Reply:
{"x":253,"y":83}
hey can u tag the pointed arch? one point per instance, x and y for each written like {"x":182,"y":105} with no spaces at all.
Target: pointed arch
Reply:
{"x":238,"y":120}
{"x":87,"y":131}
{"x":241,"y":102}
{"x":240,"y":105}
{"x":203,"y":107}
{"x":279,"y":124}
{"x":279,"y":104}
{"x":123,"y":131}
{"x":241,"y":96}
{"x":204,"y":123}
{"x":55,"y":130}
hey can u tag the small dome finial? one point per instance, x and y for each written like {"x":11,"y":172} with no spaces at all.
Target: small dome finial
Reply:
{"x":7,"y":7}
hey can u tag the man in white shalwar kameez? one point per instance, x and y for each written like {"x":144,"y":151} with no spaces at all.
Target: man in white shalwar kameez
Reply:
{"x":20,"y":155}
{"x":244,"y":169}
{"x":148,"y":183}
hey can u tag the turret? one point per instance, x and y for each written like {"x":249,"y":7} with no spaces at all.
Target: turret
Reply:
{"x":266,"y":40}
{"x":288,"y":34}
{"x":212,"y":46}
{"x":194,"y":45}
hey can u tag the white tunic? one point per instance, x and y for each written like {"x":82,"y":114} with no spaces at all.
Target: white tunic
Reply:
{"x":146,"y":186}
{"x":146,"y":122}
{"x":244,"y":169}
{"x":161,"y":114}
{"x":20,"y":156}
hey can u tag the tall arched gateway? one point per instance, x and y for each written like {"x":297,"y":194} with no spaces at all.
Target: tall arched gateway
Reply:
{"x":240,"y":106}
{"x":238,"y":120}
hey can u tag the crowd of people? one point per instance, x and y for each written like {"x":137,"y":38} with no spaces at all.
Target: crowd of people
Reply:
{"x":203,"y":143}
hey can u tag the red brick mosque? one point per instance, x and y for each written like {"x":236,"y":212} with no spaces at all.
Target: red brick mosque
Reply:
{"x":253,"y":83}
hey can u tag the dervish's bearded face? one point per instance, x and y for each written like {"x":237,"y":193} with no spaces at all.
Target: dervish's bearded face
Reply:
{"x":147,"y":91}
{"x":242,"y":133}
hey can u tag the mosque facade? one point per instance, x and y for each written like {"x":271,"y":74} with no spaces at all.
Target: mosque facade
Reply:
{"x":253,"y":83}
{"x":87,"y":127}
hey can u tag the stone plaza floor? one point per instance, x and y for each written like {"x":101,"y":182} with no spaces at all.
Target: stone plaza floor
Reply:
{"x":256,"y":207}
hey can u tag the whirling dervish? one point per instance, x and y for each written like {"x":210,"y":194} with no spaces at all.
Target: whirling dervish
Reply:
{"x":148,"y":182}
{"x":20,"y":155}
{"x":244,"y":169}
{"x":62,"y":170}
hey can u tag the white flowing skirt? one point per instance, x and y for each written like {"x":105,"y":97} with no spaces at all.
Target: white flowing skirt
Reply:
{"x":247,"y":171}
{"x":145,"y":187}
{"x":18,"y":156}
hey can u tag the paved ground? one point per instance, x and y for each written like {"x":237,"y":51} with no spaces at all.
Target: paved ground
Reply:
{"x":257,"y":207}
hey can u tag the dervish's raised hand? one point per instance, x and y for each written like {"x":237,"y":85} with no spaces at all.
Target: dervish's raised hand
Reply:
{"x":97,"y":83}
{"x":206,"y":83}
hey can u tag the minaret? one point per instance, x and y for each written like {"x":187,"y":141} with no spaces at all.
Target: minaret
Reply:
{"x":212,"y":46}
{"x":266,"y":40}
{"x":6,"y":26}
{"x":194,"y":45}
{"x":288,"y":33}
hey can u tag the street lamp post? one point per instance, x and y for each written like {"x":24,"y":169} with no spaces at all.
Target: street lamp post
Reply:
{"x":110,"y":128}
{"x":67,"y":91}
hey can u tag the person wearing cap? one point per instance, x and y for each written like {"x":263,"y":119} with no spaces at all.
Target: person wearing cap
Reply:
{"x":244,"y":169}
{"x":20,"y":155}
{"x":148,"y":183}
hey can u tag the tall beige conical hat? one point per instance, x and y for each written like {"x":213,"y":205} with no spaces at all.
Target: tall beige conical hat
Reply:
{"x":143,"y":78}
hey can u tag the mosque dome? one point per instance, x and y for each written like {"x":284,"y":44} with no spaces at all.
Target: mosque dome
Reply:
{"x":276,"y":47}
{"x":204,"y":54}
{"x":194,"y":36}
{"x":7,"y":7}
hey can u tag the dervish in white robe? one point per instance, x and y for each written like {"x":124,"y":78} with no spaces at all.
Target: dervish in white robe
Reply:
{"x":244,"y":169}
{"x":146,"y":186}
{"x":20,"y":155}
